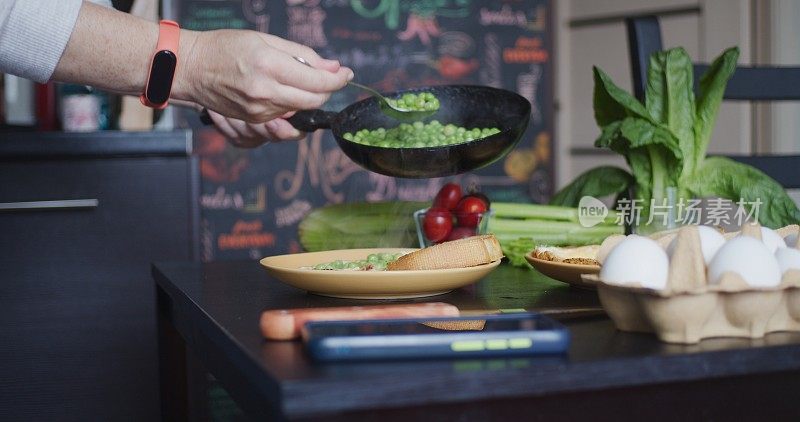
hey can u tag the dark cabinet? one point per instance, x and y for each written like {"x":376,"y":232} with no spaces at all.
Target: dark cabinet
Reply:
{"x":80,"y":223}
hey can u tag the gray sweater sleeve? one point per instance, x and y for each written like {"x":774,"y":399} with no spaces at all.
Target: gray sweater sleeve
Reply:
{"x":34,"y":34}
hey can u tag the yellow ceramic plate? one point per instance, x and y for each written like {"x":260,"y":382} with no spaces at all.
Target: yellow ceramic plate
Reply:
{"x":368,"y":284}
{"x":568,"y":273}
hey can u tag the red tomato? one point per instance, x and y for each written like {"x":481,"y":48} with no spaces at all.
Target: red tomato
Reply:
{"x":468,"y":211}
{"x":480,"y":196}
{"x":461,"y":232}
{"x":447,"y":197}
{"x":437,"y":224}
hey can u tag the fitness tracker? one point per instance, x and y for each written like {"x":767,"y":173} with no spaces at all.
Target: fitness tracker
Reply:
{"x":162,"y":66}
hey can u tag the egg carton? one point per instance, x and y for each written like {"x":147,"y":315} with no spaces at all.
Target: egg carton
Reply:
{"x":727,"y":310}
{"x":690,"y":309}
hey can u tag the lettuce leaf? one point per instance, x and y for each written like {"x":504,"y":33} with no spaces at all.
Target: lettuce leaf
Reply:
{"x":670,"y":99}
{"x":712,"y":88}
{"x":652,"y":153}
{"x":612,"y":103}
{"x":665,"y":141}
{"x":598,"y":182}
{"x":724,"y":178}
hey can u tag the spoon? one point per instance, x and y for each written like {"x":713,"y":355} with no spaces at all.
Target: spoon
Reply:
{"x":392,"y":110}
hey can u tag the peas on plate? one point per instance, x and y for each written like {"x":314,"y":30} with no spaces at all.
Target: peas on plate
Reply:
{"x":374,"y":262}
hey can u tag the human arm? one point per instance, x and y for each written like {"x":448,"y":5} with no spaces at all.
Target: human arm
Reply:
{"x":33,"y":34}
{"x":248,"y":75}
{"x":245,"y":75}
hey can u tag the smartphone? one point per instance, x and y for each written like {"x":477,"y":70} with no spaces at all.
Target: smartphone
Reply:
{"x":515,"y":334}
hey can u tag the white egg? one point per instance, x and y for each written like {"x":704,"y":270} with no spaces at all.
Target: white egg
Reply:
{"x":747,"y":257}
{"x":636,"y":259}
{"x":710,"y":242}
{"x":791,"y":240}
{"x":788,"y":259}
{"x":772,"y":239}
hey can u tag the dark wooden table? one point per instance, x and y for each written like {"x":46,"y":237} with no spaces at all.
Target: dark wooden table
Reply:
{"x":213,"y":310}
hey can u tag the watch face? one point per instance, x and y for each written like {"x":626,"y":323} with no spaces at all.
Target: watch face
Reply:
{"x":161,"y":75}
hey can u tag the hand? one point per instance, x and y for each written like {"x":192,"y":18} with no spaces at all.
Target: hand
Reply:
{"x":250,"y":135}
{"x":253,"y":77}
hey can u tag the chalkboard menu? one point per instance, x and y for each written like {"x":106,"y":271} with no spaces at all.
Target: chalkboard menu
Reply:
{"x":252,"y":200}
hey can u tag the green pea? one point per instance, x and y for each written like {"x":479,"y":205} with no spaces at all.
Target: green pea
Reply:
{"x":424,"y":101}
{"x":419,"y":135}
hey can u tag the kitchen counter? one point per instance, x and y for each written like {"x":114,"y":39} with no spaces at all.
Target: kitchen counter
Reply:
{"x":49,"y":145}
{"x":215,"y":308}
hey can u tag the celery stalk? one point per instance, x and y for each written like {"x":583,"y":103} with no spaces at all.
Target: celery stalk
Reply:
{"x":528,"y":227}
{"x":541,"y":212}
{"x":564,"y":239}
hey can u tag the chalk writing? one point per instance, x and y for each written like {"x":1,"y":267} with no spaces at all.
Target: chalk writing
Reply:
{"x":526,"y":50}
{"x":528,"y":86}
{"x":324,"y":173}
{"x":256,"y":200}
{"x":456,"y":43}
{"x":255,"y":11}
{"x":390,"y":10}
{"x":305,"y":25}
{"x":242,"y":226}
{"x":245,"y":235}
{"x":505,"y":16}
{"x":382,"y":56}
{"x":358,"y":35}
{"x":385,"y":188}
{"x":422,"y":27}
{"x":292,"y":213}
{"x":205,"y":18}
{"x":212,"y":13}
{"x":221,"y":200}
{"x":491,"y":71}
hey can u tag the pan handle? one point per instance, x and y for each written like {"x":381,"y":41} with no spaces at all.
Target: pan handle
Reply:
{"x":304,"y":120}
{"x":311,"y":120}
{"x":205,"y":118}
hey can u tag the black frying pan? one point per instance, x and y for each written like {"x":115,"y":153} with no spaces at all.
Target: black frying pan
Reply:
{"x":462,"y":105}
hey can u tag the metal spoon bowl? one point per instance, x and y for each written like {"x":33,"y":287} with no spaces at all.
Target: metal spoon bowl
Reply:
{"x":399,"y":113}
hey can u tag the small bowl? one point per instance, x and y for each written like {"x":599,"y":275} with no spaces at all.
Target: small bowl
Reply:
{"x":480,"y":228}
{"x":564,"y":272}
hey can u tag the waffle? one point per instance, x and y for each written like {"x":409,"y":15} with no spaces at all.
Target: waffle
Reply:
{"x":461,"y":325}
{"x":461,"y":253}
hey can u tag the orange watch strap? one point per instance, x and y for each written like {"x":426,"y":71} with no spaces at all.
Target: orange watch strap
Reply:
{"x":169,"y":34}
